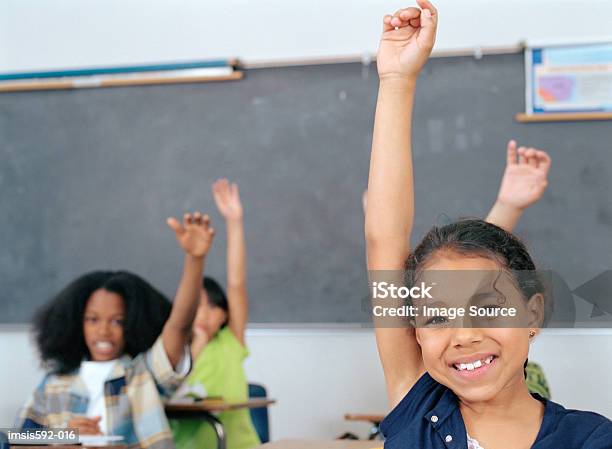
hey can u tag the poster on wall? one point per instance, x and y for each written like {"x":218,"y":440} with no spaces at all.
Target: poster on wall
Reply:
{"x":569,"y":78}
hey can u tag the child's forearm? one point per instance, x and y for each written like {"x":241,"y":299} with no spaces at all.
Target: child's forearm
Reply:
{"x":178,"y":327}
{"x":390,"y":205}
{"x":236,"y":253}
{"x":187,"y":295}
{"x":504,"y":215}
{"x":237,"y":296}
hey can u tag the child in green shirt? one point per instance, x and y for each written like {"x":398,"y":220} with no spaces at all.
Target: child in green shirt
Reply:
{"x":218,"y":346}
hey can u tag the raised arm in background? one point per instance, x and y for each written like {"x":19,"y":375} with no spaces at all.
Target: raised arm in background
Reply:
{"x":195,"y":237}
{"x":227,"y":199}
{"x":523,"y":184}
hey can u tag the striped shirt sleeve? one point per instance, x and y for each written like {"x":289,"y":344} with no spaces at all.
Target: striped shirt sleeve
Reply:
{"x":167,"y":379}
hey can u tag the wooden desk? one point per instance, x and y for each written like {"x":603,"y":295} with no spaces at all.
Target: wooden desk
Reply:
{"x":204,"y":410}
{"x":373,"y":419}
{"x":321,"y":444}
{"x":216,"y":405}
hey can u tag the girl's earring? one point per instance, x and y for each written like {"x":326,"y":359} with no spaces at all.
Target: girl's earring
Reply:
{"x":531,"y":333}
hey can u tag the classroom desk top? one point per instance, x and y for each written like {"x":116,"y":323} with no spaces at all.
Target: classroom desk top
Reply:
{"x":204,"y":410}
{"x":217,"y":405}
{"x":373,"y":418}
{"x":322,"y":444}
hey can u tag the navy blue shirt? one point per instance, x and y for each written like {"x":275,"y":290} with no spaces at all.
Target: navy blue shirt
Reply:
{"x":429,"y":418}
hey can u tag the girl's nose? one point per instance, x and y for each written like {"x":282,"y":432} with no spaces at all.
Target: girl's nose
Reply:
{"x":466,"y":336}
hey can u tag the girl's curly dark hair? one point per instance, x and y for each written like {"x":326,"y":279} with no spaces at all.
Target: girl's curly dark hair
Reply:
{"x":58,"y":325}
{"x":475,"y":237}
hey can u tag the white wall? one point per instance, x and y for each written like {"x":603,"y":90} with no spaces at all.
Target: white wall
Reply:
{"x":319,"y":375}
{"x":47,"y":34}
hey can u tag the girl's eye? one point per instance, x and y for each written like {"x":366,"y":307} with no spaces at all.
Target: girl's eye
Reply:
{"x":437,"y":321}
{"x":491,"y":307}
{"x":117,"y":323}
{"x":491,"y":313}
{"x":91,"y":319}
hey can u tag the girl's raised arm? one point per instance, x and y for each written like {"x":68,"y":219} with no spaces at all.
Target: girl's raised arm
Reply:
{"x":407,"y":40}
{"x":227,"y":199}
{"x":195,"y":236}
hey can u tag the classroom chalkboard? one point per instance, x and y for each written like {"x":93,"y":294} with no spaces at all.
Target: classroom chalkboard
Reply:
{"x":89,"y":176}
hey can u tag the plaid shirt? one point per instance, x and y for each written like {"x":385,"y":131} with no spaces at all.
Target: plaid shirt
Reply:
{"x":133,"y":394}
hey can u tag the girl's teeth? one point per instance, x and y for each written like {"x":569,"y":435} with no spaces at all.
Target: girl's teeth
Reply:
{"x":474,"y":365}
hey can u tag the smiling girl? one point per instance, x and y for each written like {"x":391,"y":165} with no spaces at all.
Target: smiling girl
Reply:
{"x":115,"y":349}
{"x":449,"y":386}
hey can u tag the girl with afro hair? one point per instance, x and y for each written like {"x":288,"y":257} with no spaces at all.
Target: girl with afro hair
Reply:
{"x":115,"y":348}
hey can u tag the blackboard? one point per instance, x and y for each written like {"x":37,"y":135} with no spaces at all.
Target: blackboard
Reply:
{"x":88,"y":177}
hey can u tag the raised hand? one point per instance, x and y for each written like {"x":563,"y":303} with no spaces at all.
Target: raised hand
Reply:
{"x":194,"y":235}
{"x":407,"y":40}
{"x":227,"y":199}
{"x":525,"y":178}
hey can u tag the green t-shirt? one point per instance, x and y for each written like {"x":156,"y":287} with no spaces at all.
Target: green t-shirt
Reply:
{"x":536,"y":381}
{"x":219,"y":369}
